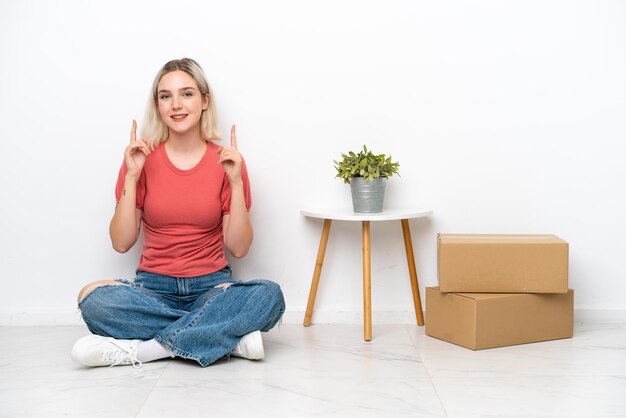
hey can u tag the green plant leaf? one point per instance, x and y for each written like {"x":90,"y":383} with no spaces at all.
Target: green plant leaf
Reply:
{"x":365,"y":164}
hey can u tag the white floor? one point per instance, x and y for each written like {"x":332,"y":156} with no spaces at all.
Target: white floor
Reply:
{"x":325,"y":371}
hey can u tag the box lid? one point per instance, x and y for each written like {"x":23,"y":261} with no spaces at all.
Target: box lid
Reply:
{"x":500,"y":239}
{"x":477,"y":296}
{"x":485,"y":296}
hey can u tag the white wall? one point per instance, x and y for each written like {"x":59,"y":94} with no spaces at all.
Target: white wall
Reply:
{"x":506,"y":117}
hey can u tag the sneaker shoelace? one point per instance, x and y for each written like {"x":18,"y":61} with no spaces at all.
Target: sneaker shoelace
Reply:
{"x":121,"y":355}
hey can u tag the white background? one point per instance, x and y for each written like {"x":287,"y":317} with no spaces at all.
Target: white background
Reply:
{"x":505,"y":116}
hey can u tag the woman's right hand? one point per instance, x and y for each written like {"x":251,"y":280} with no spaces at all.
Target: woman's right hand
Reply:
{"x":135,"y":154}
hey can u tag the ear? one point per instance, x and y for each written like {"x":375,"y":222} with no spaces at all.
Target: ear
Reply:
{"x":205,"y":101}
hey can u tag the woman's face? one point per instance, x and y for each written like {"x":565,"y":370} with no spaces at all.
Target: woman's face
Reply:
{"x":180,"y":102}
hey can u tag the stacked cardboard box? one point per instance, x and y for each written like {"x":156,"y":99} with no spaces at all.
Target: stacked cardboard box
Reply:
{"x":498,"y":290}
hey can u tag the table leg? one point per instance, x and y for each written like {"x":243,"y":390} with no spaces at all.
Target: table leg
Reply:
{"x":367,"y":283}
{"x":408,"y":246}
{"x":317,"y":272}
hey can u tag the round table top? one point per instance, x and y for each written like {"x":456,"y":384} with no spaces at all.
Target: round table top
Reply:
{"x":346,"y":214}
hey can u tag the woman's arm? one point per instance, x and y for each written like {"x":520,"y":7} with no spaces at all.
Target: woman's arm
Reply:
{"x":124,"y":227}
{"x":237,"y":228}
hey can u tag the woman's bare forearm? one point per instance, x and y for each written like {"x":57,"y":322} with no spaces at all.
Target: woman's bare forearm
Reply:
{"x":124,"y":227}
{"x":237,"y":227}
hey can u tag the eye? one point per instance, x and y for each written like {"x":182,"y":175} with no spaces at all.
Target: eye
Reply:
{"x":187,"y":94}
{"x":164,"y":96}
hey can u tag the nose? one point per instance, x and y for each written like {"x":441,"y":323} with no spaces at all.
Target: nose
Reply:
{"x":176,"y":102}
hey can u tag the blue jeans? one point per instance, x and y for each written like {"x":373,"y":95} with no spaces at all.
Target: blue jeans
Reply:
{"x":190,"y":317}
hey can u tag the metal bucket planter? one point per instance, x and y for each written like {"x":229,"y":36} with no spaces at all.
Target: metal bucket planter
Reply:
{"x":367,"y":196}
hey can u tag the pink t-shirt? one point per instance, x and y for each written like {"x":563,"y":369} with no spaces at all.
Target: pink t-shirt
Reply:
{"x":182,"y":213}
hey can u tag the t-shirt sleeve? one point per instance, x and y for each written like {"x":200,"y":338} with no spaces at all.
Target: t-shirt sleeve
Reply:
{"x":225,"y":195}
{"x":141,"y":186}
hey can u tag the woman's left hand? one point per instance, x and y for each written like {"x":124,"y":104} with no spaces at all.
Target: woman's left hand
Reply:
{"x":230,"y":158}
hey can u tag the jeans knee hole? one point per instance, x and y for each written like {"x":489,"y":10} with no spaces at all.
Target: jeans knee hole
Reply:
{"x":223,"y":286}
{"x":89,"y":291}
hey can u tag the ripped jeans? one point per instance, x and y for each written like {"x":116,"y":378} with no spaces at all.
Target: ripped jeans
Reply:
{"x":194,"y":318}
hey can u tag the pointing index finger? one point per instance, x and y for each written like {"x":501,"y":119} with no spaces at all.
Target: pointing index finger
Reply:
{"x":233,"y":137}
{"x":133,"y":132}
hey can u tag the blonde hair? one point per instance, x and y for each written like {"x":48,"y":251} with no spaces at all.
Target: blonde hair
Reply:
{"x":154,"y":129}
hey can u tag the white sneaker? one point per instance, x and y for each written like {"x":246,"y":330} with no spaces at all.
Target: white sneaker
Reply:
{"x":250,"y":347}
{"x":96,"y":351}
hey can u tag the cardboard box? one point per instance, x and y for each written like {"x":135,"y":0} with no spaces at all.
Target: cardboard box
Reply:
{"x":502,"y":263}
{"x":487,"y":320}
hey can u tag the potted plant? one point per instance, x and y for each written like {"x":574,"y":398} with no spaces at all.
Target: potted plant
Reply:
{"x":367,"y":175}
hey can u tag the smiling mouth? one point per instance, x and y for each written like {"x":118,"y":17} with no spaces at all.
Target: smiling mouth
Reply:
{"x":178,"y":117}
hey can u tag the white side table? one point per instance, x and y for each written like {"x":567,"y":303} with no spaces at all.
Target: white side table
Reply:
{"x":329,"y":215}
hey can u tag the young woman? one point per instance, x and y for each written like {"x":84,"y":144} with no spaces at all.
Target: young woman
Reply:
{"x":192,"y":199}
